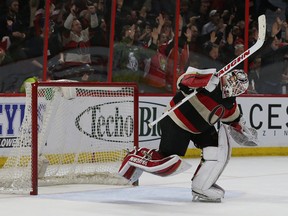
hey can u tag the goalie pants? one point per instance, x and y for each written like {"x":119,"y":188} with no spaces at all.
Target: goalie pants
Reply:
{"x":175,"y":140}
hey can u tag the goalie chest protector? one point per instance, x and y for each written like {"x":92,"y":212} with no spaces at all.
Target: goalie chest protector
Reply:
{"x":203,"y":110}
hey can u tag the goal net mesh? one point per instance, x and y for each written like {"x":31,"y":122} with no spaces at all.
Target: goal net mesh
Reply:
{"x":83,"y":133}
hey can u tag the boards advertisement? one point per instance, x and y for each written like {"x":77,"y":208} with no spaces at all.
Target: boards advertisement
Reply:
{"x":269,"y":115}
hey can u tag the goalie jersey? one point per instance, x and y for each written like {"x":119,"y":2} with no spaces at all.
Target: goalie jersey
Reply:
{"x":203,"y":110}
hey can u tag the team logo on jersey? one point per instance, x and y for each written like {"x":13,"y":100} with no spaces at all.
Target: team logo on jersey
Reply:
{"x":216,"y":114}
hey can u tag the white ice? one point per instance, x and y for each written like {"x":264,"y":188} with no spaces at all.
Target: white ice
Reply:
{"x":255,"y":186}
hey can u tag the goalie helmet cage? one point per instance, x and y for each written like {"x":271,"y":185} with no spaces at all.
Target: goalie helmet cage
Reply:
{"x":72,"y":132}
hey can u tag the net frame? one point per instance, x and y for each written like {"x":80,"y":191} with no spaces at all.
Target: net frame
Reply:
{"x":34,"y":147}
{"x":34,"y":101}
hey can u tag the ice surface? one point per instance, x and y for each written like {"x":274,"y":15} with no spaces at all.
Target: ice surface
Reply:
{"x":255,"y":186}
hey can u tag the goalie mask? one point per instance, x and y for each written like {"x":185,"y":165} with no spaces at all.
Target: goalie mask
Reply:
{"x":234,"y":83}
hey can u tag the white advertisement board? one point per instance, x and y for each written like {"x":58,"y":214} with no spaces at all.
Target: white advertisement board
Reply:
{"x":269,"y":115}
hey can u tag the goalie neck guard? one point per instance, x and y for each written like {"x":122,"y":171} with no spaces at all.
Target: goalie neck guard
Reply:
{"x":234,"y":83}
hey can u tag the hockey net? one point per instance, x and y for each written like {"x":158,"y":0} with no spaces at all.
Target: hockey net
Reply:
{"x":72,"y":133}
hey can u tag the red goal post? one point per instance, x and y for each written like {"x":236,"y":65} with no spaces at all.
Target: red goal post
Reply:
{"x":72,"y":132}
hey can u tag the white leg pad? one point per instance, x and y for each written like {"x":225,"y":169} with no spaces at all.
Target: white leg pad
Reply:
{"x":214,"y":161}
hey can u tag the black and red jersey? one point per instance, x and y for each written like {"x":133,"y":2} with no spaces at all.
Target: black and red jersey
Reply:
{"x":203,"y":110}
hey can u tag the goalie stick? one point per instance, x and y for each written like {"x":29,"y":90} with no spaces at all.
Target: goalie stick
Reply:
{"x":226,"y":68}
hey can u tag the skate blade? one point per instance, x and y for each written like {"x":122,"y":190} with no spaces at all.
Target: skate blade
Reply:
{"x":202,"y":198}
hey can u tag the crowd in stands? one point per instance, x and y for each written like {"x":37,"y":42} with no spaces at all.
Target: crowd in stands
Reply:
{"x":210,"y":35}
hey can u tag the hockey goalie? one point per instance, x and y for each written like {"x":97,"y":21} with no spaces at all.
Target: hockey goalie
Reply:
{"x":195,"y":121}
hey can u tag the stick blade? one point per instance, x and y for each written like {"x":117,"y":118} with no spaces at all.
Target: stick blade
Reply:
{"x":261,"y":28}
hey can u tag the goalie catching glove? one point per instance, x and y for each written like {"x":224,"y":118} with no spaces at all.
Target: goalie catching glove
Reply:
{"x":195,"y":78}
{"x":151,"y":161}
{"x":242,"y":134}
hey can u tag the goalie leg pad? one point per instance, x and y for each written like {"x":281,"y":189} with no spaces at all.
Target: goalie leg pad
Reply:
{"x":162,"y":167}
{"x":131,"y":173}
{"x":211,"y":167}
{"x":149,"y":160}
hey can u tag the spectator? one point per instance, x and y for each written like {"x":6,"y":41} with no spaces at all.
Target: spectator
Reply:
{"x":142,"y":19}
{"x":120,"y":20}
{"x":79,"y":37}
{"x":212,"y":56}
{"x":155,"y":70}
{"x":38,"y":21}
{"x":260,"y":7}
{"x":272,"y":56}
{"x":11,"y":25}
{"x":253,"y":35}
{"x":129,"y":59}
{"x":216,"y":27}
{"x":195,"y":46}
{"x":254,"y":75}
{"x":159,"y":66}
{"x":4,"y":56}
{"x":185,"y":11}
{"x":212,"y":24}
{"x":231,"y":50}
{"x":101,"y":34}
{"x":145,"y":35}
{"x":34,"y":45}
{"x":167,"y":29}
{"x":184,"y":38}
{"x":128,"y":14}
{"x":201,"y":11}
{"x":195,"y":43}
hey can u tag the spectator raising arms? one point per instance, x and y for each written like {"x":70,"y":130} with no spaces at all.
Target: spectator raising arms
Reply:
{"x":79,"y":37}
{"x":272,"y":61}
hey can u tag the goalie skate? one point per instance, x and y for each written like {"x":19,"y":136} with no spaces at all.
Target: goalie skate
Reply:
{"x":204,"y":196}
